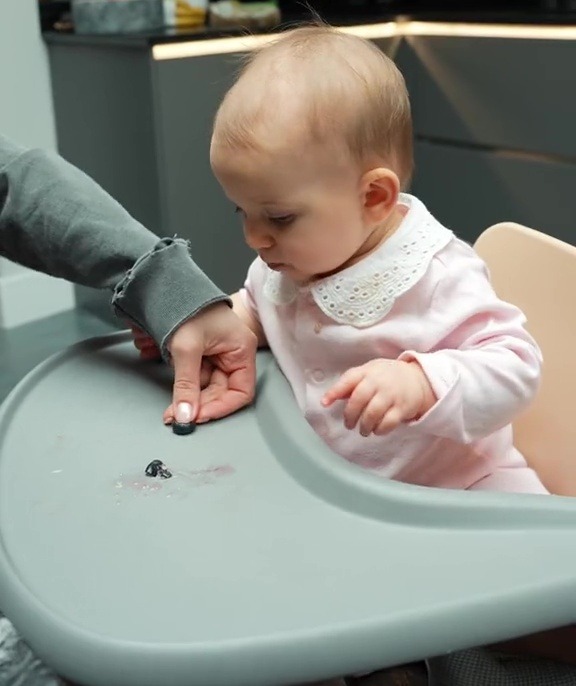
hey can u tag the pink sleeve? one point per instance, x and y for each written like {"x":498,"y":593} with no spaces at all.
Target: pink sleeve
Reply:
{"x":485,"y":367}
{"x":248,"y":292}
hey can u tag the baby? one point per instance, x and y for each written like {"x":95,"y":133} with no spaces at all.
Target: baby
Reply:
{"x":399,"y":353}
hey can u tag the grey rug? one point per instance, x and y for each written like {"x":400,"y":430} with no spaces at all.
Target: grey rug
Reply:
{"x":18,"y":665}
{"x":479,"y":667}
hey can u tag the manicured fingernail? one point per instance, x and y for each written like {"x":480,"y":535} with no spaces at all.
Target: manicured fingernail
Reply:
{"x":184,"y":413}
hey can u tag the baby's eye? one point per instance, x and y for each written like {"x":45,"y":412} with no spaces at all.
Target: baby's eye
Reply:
{"x":283,"y":220}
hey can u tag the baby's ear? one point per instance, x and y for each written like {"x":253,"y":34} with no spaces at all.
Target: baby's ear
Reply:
{"x":380,"y":189}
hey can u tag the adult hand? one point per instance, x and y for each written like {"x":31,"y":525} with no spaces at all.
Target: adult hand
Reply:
{"x":214,"y":351}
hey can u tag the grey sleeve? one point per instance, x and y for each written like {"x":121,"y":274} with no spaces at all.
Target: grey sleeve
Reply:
{"x":55,"y":219}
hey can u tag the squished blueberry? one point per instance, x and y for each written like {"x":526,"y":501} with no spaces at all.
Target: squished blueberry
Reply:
{"x":183,"y":429}
{"x":158,"y":468}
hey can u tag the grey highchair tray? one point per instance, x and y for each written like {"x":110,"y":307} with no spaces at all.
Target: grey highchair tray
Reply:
{"x":265,"y":560}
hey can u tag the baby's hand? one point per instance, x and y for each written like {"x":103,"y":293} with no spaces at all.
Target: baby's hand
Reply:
{"x":381,"y":395}
{"x":145,"y":344}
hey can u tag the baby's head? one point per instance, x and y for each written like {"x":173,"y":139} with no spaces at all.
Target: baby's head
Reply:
{"x":312,"y":144}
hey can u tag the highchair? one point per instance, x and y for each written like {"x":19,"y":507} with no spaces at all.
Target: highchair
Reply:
{"x":266,"y":559}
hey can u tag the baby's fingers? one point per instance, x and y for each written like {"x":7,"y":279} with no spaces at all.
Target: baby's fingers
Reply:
{"x":375,"y":415}
{"x":344,"y":387}
{"x":359,"y":400}
{"x":392,"y":419}
{"x":151,"y":352}
{"x":145,"y":344}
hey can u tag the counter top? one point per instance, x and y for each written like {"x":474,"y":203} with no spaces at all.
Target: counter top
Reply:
{"x":171,"y":35}
{"x":139,"y":40}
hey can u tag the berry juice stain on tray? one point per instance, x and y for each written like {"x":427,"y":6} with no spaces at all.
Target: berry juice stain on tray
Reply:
{"x":183,"y":481}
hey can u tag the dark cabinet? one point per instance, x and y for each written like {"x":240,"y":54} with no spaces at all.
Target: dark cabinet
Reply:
{"x":141,"y":128}
{"x":494,"y":121}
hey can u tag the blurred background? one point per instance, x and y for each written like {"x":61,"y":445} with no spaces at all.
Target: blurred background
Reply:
{"x":126,"y":91}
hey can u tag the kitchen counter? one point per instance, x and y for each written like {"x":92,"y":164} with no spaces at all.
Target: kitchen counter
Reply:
{"x":171,"y":35}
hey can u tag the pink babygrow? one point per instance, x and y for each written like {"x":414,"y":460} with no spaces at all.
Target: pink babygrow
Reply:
{"x":422,"y":294}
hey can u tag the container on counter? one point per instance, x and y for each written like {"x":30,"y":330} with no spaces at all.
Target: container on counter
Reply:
{"x":185,"y":13}
{"x":117,"y":16}
{"x":254,"y":16}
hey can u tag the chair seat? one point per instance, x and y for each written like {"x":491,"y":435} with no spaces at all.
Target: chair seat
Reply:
{"x":537,"y":273}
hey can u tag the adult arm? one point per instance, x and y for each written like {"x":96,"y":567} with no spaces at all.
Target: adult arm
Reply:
{"x":55,"y":219}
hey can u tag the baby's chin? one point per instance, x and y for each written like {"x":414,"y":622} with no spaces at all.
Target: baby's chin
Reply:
{"x":290,"y":271}
{"x":294,"y":274}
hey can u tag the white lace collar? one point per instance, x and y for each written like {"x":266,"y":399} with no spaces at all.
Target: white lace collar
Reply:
{"x":364,"y":293}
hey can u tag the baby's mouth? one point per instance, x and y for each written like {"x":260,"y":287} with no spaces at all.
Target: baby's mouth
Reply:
{"x":275,"y":265}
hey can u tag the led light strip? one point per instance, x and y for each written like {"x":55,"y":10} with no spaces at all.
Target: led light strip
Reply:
{"x":220,"y":46}
{"x":211,"y":46}
{"x":539,"y":32}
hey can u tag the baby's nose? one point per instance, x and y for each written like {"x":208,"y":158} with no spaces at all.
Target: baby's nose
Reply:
{"x":257,"y":237}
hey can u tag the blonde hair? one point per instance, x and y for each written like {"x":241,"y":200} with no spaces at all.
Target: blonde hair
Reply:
{"x":342,"y":85}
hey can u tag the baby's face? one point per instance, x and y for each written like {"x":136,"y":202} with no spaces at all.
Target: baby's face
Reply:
{"x":301,"y":209}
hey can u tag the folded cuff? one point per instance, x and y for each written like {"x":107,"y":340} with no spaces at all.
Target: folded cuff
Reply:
{"x":163,"y":289}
